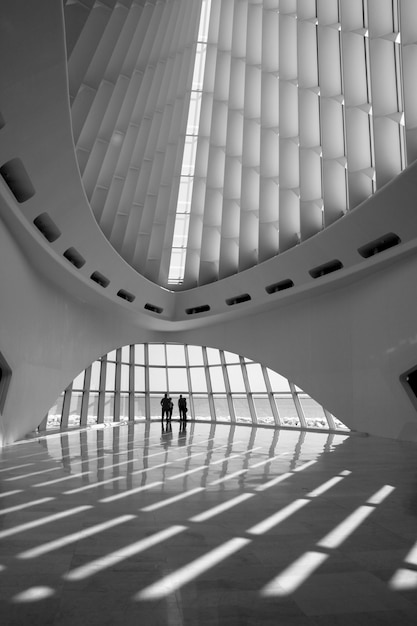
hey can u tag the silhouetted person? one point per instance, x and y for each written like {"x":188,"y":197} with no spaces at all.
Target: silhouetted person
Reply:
{"x":165,"y":404}
{"x":171,"y":407}
{"x":182,"y":407}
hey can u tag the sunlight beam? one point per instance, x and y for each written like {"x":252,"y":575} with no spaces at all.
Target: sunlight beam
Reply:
{"x":25,"y":505}
{"x":294,"y":575}
{"x":277,"y":518}
{"x":131,"y":492}
{"x":216,"y":510}
{"x":84,"y":571}
{"x":168,"y":501}
{"x":189,"y":572}
{"x":43,"y":520}
{"x":68,"y":539}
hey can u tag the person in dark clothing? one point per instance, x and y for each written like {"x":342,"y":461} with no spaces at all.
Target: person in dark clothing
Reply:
{"x":171,"y":408}
{"x":165,"y":404}
{"x":182,"y":407}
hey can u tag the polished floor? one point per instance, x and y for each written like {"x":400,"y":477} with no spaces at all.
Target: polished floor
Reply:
{"x":208,"y":525}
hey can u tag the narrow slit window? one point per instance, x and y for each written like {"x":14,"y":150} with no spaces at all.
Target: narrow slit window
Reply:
{"x":182,"y":217}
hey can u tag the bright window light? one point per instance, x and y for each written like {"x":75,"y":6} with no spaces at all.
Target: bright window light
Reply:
{"x":50,"y":469}
{"x":103,"y":562}
{"x":131,"y":492}
{"x":274,"y":481}
{"x":277,"y":518}
{"x":33,"y":594}
{"x":380,"y":495}
{"x":10,"y":493}
{"x":92,"y":485}
{"x":25,"y":505}
{"x":168,"y":501}
{"x":74,"y":537}
{"x":43,"y":520}
{"x":403,"y":580}
{"x":10,"y":469}
{"x":220,"y":508}
{"x":180,"y":239}
{"x":293,"y":576}
{"x":189,"y":572}
{"x":339,"y":534}
{"x":60,"y":480}
{"x":325,"y":486}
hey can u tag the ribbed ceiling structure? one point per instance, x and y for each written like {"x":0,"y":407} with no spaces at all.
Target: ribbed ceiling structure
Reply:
{"x":307,"y":108}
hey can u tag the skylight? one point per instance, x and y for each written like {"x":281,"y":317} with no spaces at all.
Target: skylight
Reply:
{"x":182,"y":218}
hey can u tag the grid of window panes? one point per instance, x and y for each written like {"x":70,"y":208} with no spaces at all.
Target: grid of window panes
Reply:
{"x":128,"y":384}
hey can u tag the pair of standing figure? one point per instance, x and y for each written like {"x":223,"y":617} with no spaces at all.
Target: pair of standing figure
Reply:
{"x":167,"y":408}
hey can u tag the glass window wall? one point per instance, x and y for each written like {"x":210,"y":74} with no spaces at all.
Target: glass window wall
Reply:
{"x":128,"y":384}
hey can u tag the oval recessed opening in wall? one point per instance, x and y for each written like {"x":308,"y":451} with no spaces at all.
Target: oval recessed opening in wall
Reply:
{"x":125,"y":295}
{"x":153,"y":308}
{"x":197,"y":309}
{"x":45,"y":224}
{"x":73,"y":256}
{"x":283,"y":284}
{"x":100,"y":279}
{"x":379,"y":245}
{"x":244,"y":297}
{"x":326,"y":268}
{"x":17,"y":179}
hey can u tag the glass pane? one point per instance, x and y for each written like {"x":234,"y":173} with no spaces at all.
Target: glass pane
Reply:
{"x":157,"y":379}
{"x":55,"y":413}
{"x":278,"y":382}
{"x":126,"y":354}
{"x":177,"y":380}
{"x":185,"y":193}
{"x":156,"y":354}
{"x":194,"y":113}
{"x":195,"y":355}
{"x":95,"y":376}
{"x":190,"y":151}
{"x":287,"y":411}
{"x":199,"y":65}
{"x":75,"y":410}
{"x":111,"y":355}
{"x":313,"y":412}
{"x":204,"y":20}
{"x":177,"y":265}
{"x":235,"y":378}
{"x":109,"y":407}
{"x":263,"y":410}
{"x":110,"y":376}
{"x":241,"y":406}
{"x":140,"y":354}
{"x":140,"y":411}
{"x":180,"y":238}
{"x":124,"y":383}
{"x":124,"y":407}
{"x":79,"y":381}
{"x":139,"y":378}
{"x":213,"y":356}
{"x":155,"y":402}
{"x":230,"y":357}
{"x":222,"y":408}
{"x":256,"y":377}
{"x":198,"y":380}
{"x":201,"y":408}
{"x":92,"y":408}
{"x":175,"y":354}
{"x":217,"y":380}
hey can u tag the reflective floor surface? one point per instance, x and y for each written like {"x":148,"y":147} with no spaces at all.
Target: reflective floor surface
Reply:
{"x":208,"y":525}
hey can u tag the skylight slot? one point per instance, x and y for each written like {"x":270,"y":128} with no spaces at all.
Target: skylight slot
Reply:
{"x":182,"y":217}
